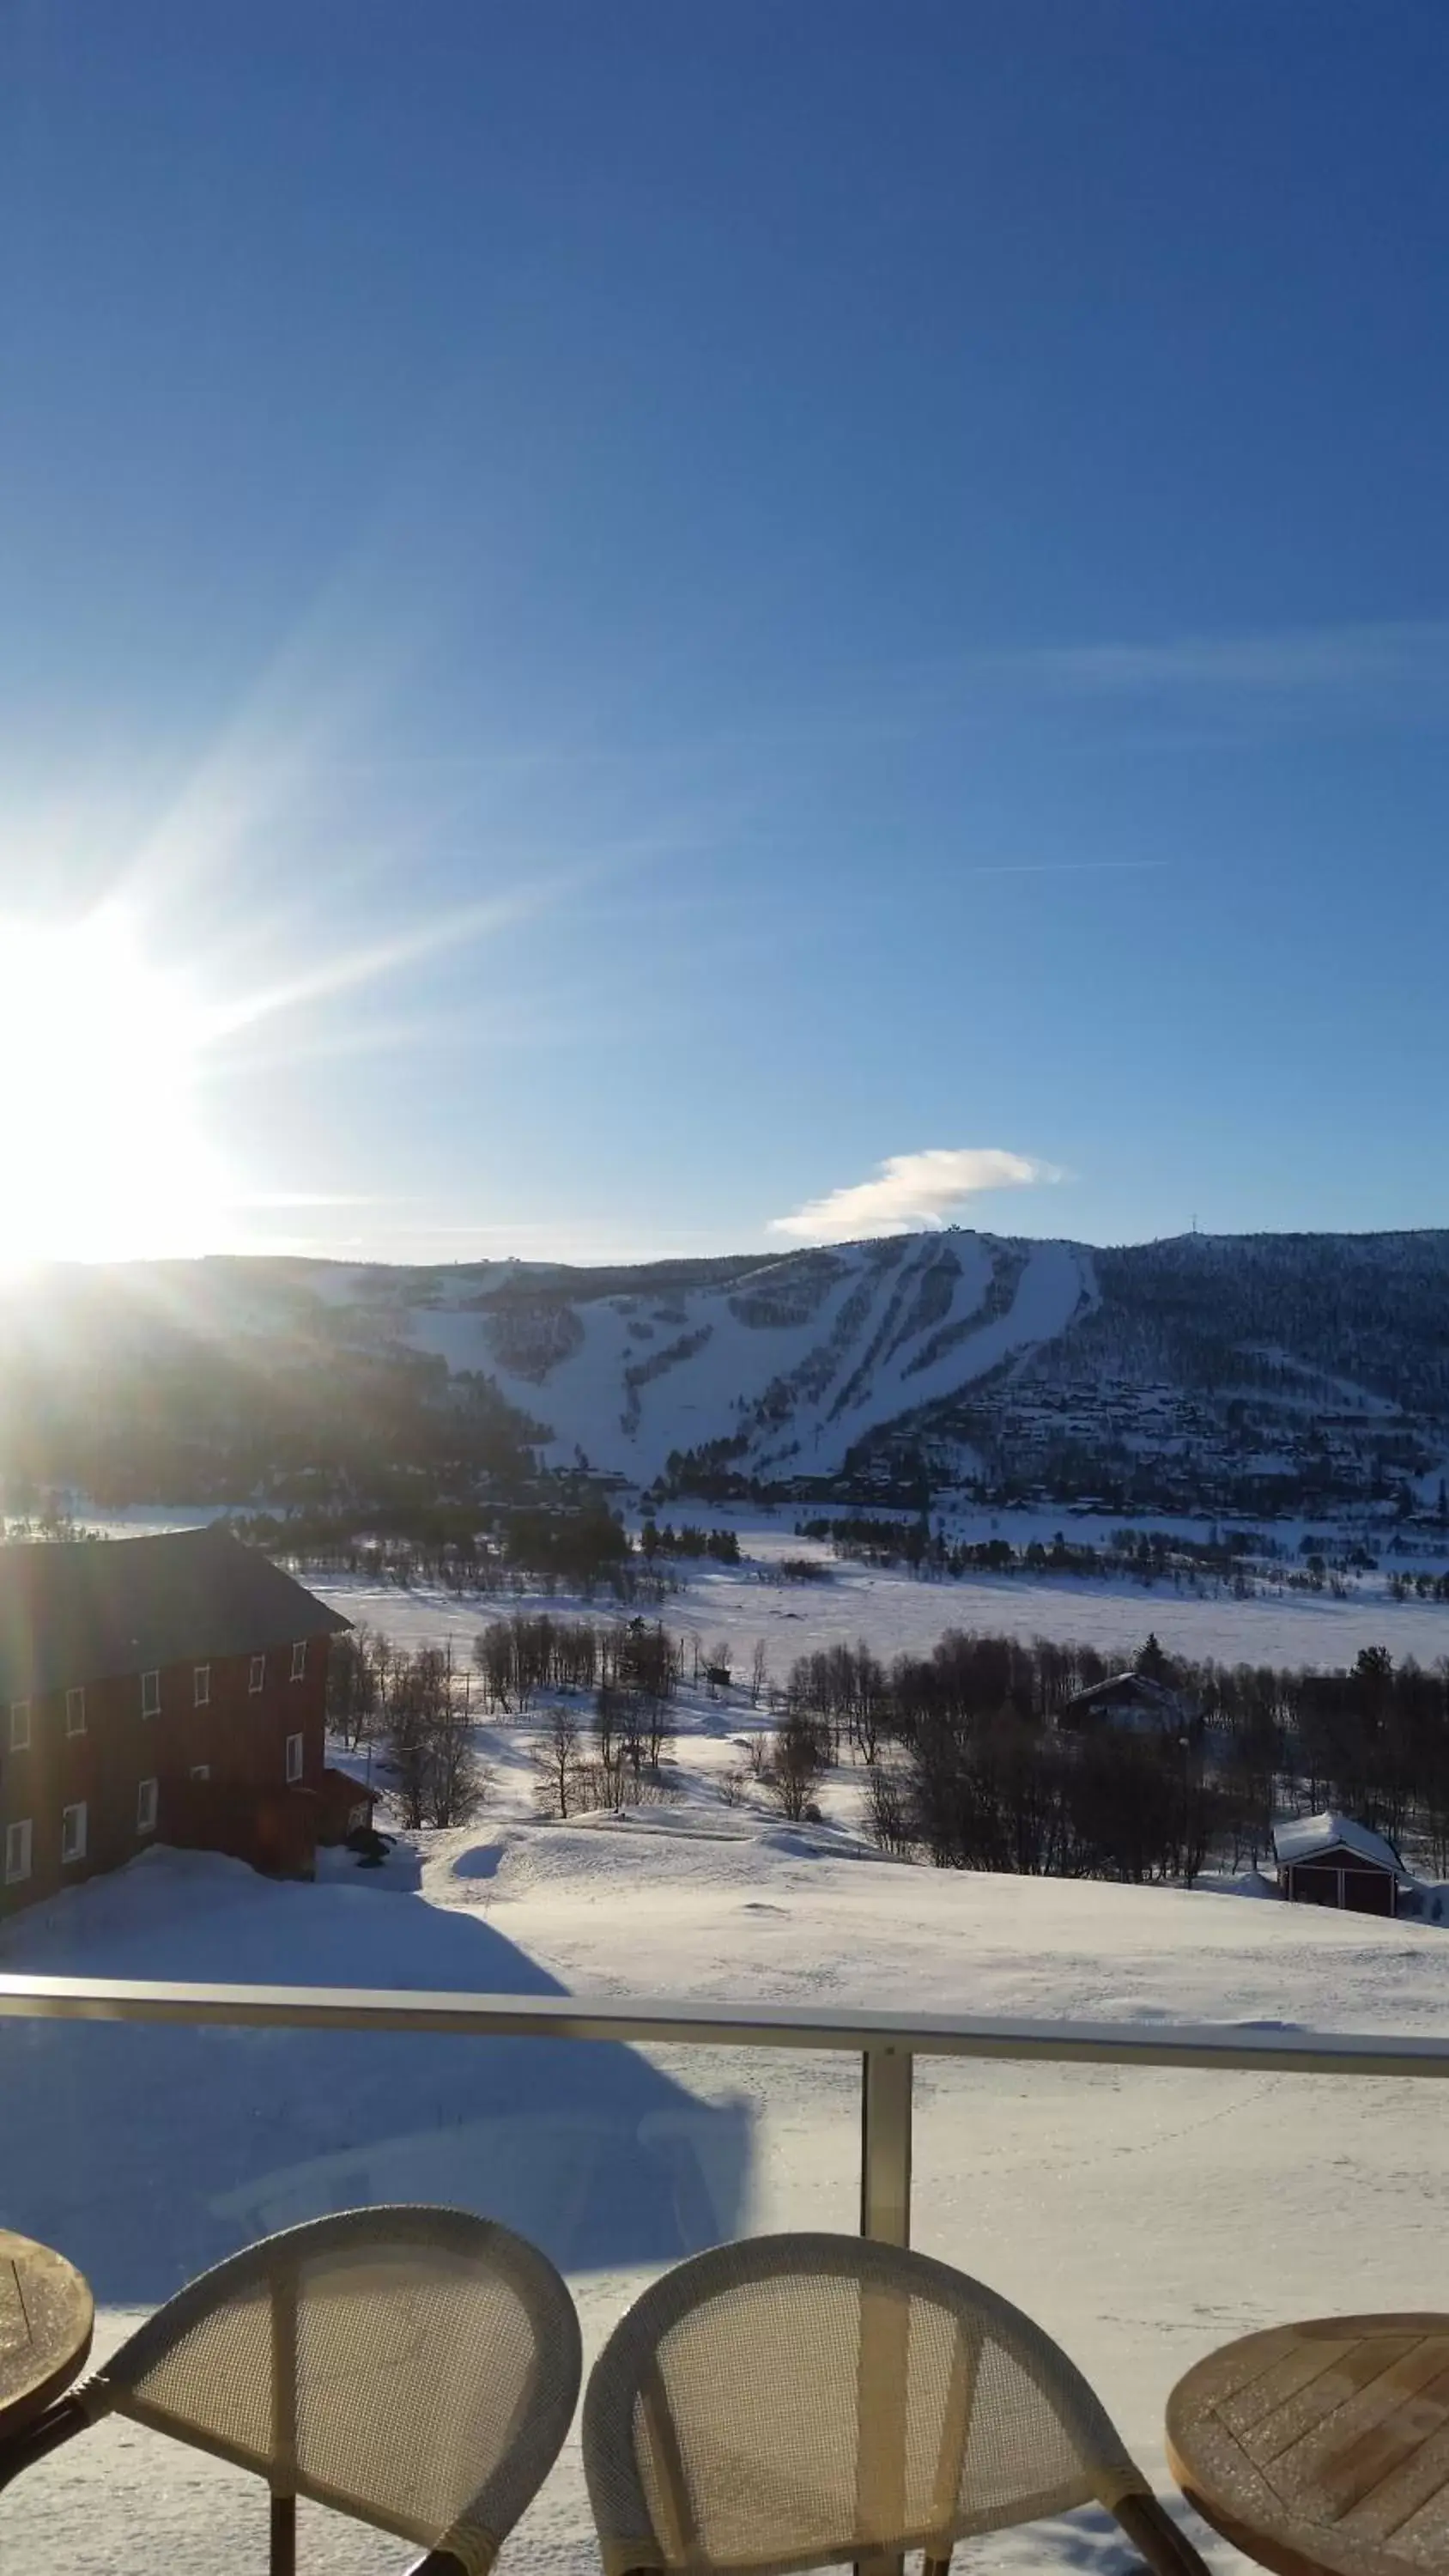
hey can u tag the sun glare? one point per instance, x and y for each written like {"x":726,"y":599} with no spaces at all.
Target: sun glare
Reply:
{"x":102,"y":1157}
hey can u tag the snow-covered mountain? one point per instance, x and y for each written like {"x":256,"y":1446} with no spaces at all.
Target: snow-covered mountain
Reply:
{"x":1236,"y":1371}
{"x":1244,"y":1372}
{"x":790,"y":1363}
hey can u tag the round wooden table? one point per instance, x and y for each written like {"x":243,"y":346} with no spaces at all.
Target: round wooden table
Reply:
{"x":46,"y":2318}
{"x":1322,"y":2449}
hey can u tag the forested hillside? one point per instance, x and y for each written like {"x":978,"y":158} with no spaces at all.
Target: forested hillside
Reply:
{"x":1225,"y":1374}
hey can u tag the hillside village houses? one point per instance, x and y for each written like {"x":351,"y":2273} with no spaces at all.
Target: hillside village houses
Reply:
{"x":160,"y":1688}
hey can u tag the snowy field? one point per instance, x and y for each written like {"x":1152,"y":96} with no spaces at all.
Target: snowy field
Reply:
{"x":897,"y":1612}
{"x":1142,"y":2218}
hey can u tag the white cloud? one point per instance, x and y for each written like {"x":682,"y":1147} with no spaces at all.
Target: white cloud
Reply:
{"x":1292,"y":662}
{"x":910,"y":1191}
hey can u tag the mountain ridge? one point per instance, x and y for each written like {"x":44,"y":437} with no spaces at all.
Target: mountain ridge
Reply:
{"x":1233,"y":1373}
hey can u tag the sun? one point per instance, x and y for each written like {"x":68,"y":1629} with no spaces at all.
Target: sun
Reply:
{"x":102,"y":1155}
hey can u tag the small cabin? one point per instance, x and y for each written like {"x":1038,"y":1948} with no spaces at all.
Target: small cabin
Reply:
{"x":1331,"y":1860}
{"x":1132,"y":1700}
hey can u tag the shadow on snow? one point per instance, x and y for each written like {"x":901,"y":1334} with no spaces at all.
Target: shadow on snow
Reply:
{"x":147,"y":2153}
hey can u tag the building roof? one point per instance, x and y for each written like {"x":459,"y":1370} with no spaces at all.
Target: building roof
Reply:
{"x":1314,"y":1837}
{"x":1132,"y":1690}
{"x":85,"y":1610}
{"x":1128,"y":1685}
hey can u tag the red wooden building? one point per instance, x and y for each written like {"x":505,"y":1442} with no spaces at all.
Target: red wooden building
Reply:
{"x":1333,"y":1860}
{"x":167,"y":1689}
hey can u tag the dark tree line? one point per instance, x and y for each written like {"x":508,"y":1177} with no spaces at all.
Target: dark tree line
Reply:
{"x":518,"y":1658}
{"x":973,"y":1764}
{"x":463,"y":1547}
{"x":687,"y":1541}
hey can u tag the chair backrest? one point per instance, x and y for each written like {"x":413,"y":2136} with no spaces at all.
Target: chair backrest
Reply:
{"x":415,"y":2367}
{"x":791,"y":2401}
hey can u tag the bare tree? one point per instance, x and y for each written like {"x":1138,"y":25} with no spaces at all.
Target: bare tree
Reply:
{"x":458,"y":1782}
{"x":795,"y":1766}
{"x":407,"y":1741}
{"x":617,"y":1739}
{"x":352,"y":1685}
{"x":759,"y":1672}
{"x":558,"y":1761}
{"x":440,"y":1780}
{"x":886,"y":1813}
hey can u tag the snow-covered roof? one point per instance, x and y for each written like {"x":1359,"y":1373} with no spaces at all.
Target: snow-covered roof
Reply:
{"x":1130,"y":1686}
{"x":1310,"y":1837}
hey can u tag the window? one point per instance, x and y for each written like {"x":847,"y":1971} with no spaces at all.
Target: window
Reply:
{"x":17,"y":1851}
{"x":201,"y":1686}
{"x":294,"y":1757}
{"x":299,"y":1660}
{"x":19,"y":1725}
{"x":147,"y":1796}
{"x":75,"y":1712}
{"x":256,"y":1679}
{"x":150,"y":1694}
{"x":201,"y":1771}
{"x":73,"y":1832}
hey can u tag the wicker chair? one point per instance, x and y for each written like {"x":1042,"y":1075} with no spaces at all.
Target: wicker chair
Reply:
{"x":417,"y":2368}
{"x":797,"y":2401}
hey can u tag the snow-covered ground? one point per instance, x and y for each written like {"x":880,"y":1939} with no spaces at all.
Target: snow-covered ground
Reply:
{"x":898,"y":1613}
{"x":1143,"y":2218}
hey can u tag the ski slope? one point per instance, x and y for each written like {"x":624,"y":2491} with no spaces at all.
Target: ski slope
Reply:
{"x":901,"y":1325}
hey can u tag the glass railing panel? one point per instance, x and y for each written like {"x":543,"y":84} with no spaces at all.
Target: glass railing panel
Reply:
{"x":1142,"y":2216}
{"x":146,"y":2153}
{"x":741,"y":2141}
{"x":1146,"y":2217}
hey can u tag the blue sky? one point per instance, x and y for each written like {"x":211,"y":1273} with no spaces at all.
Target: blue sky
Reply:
{"x":643,"y":611}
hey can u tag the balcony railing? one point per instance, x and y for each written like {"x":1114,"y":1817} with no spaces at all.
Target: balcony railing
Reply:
{"x":887,"y":2043}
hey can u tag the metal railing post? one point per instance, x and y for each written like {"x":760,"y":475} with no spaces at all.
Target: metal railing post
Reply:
{"x":885,"y":2145}
{"x":885,"y":2214}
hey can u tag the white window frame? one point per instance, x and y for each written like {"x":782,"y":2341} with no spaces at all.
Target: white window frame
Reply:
{"x":19,"y":1841}
{"x":201,"y":1685}
{"x":296,"y":1755}
{"x":201,"y":1770}
{"x":20,"y":1726}
{"x":75,"y":1710}
{"x":151,"y":1694}
{"x":257,"y":1676}
{"x":299,"y":1660}
{"x":148,"y":1803}
{"x":73,"y":1835}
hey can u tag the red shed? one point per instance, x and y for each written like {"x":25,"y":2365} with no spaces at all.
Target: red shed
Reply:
{"x":1331,"y":1860}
